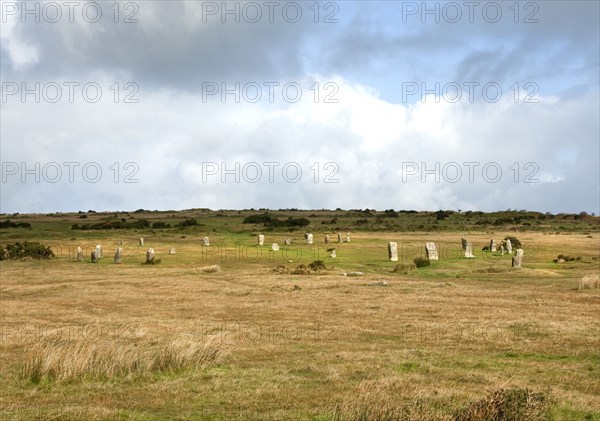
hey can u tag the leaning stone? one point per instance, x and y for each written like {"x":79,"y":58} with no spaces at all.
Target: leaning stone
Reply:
{"x":150,"y":256}
{"x":431,"y":251}
{"x":333,"y":254}
{"x":393,"y":251}
{"x":261,"y":240}
{"x":517,"y":260}
{"x":274,"y":247}
{"x":119,"y":255}
{"x":288,"y":241}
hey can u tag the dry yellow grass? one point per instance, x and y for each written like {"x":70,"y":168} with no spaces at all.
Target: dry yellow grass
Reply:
{"x":430,"y":342}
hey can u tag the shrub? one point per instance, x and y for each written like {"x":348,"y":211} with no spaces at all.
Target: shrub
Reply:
{"x":2,"y":253}
{"x":317,"y":265}
{"x":161,"y":224}
{"x":421,"y":262}
{"x":9,"y":224}
{"x":189,"y":222}
{"x":514,"y":241}
{"x":404,"y":268}
{"x":34,"y":250}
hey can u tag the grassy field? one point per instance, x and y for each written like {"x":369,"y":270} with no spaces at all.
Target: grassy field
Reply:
{"x":230,"y":332}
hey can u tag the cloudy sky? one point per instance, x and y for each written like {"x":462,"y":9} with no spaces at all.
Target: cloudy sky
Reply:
{"x":351,"y":104}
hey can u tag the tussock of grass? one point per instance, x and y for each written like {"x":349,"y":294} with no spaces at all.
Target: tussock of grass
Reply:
{"x":591,"y":281}
{"x":404,"y":268}
{"x":75,"y":360}
{"x":211,"y":269}
{"x":505,"y":405}
{"x":382,"y":400}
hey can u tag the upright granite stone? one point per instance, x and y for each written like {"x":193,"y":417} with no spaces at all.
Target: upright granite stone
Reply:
{"x":274,"y":247}
{"x":150,"y":256}
{"x":206,"y":241}
{"x":172,"y":250}
{"x":339,"y":237}
{"x":141,"y":241}
{"x":326,"y":238}
{"x":467,"y":247}
{"x":508,"y":246}
{"x":517,"y":260}
{"x":79,"y":254}
{"x":309,"y":238}
{"x":119,"y":255}
{"x":431,"y":251}
{"x":99,"y":251}
{"x":347,"y":237}
{"x":493,"y":246}
{"x":502,"y":250}
{"x":393,"y":251}
{"x":261,"y":240}
{"x":94,"y":256}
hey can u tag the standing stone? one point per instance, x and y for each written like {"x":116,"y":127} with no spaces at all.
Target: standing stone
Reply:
{"x":326,"y":238}
{"x":119,"y":255}
{"x":309,"y":238}
{"x":467,"y":247}
{"x":431,"y":251}
{"x":502,"y":250}
{"x":206,"y":241}
{"x":99,"y":251}
{"x":150,"y":256}
{"x":493,"y":246}
{"x":339,"y":237}
{"x":141,"y":241}
{"x":508,"y":246}
{"x":79,"y":254}
{"x":288,"y":241}
{"x":94,"y":257}
{"x":261,"y":240}
{"x":347,"y":237}
{"x":393,"y":251}
{"x":518,"y":259}
{"x":332,"y":254}
{"x":274,"y":247}
{"x":172,"y":250}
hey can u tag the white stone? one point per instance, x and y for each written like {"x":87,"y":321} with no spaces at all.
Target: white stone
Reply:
{"x":517,"y":260}
{"x":431,"y":251}
{"x":206,"y":241}
{"x":150,"y":255}
{"x":141,"y":241}
{"x":393,"y":251}
{"x":309,"y":238}
{"x":274,"y":247}
{"x":261,"y":240}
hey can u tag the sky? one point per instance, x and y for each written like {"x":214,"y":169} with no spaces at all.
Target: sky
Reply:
{"x":172,"y":105}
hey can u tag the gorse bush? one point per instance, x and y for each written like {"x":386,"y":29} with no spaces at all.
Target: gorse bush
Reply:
{"x":421,"y":262}
{"x":9,"y":224}
{"x":19,"y":250}
{"x":514,"y":241}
